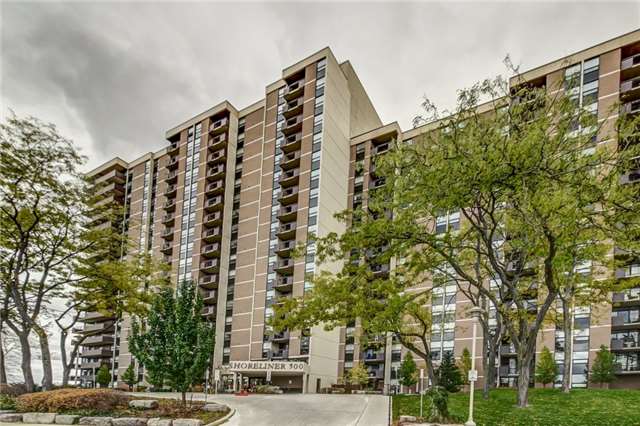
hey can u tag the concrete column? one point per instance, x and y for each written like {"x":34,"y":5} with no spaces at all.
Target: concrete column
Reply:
{"x":235,"y":383}
{"x":305,"y":382}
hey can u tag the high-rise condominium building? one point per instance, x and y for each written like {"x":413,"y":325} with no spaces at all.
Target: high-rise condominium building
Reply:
{"x":235,"y":190}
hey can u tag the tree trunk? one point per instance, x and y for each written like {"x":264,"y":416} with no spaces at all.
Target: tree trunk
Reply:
{"x":3,"y":369}
{"x":47,"y":371}
{"x":489,"y":366}
{"x":184,"y":399}
{"x":523,"y":386}
{"x":523,"y":379}
{"x":25,"y":363}
{"x":567,"y":325}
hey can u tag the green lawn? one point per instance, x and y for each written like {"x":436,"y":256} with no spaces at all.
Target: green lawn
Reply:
{"x":582,"y":407}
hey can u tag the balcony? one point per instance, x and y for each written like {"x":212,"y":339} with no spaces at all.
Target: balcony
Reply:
{"x":288,"y":213}
{"x":376,"y":183}
{"x":380,"y":269}
{"x":213,"y":234}
{"x":219,"y":126}
{"x":287,"y":231}
{"x":212,"y":219}
{"x":280,"y":337}
{"x":630,"y":67}
{"x":293,"y":108}
{"x":289,"y":177}
{"x":114,"y":189}
{"x":288,"y":195}
{"x":505,"y":371}
{"x":210,"y":297}
{"x":171,"y":190}
{"x":211,"y":265}
{"x":284,"y":284}
{"x":99,"y":340}
{"x":173,"y":148}
{"x":284,"y":247}
{"x":376,"y":374}
{"x":507,"y":350}
{"x":630,"y":89}
{"x":96,"y":353}
{"x":209,"y":311}
{"x":214,"y":188}
{"x":217,"y":157}
{"x":215,"y":203}
{"x":209,"y":281}
{"x":626,"y":298}
{"x":620,"y":322}
{"x":290,"y":160}
{"x":292,"y":125}
{"x":215,"y":172}
{"x":294,"y":90}
{"x":114,"y":176}
{"x":172,"y":177}
{"x":167,"y":234}
{"x":284,"y":266}
{"x":93,"y":365}
{"x":211,"y":250}
{"x":173,"y":163}
{"x":632,"y":176}
{"x":170,"y":205}
{"x":380,"y":149}
{"x":284,"y":353}
{"x":98,"y":326}
{"x":91,"y":317}
{"x":168,"y":219}
{"x":377,"y":356}
{"x":166,"y":248}
{"x":629,"y":271}
{"x":217,"y":142}
{"x":631,"y":107}
{"x":624,"y":345}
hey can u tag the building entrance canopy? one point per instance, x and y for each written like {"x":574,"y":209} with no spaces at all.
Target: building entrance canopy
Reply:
{"x":287,"y":367}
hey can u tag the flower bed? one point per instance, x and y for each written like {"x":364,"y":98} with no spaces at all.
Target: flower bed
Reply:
{"x":109,"y":403}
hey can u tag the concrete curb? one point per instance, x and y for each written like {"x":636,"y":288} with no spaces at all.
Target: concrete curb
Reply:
{"x":223,"y":419}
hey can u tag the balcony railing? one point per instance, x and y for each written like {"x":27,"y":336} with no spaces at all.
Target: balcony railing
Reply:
{"x":211,"y":249}
{"x":213,"y":219}
{"x":219,"y":126}
{"x":215,"y":187}
{"x":214,"y":203}
{"x":630,"y":62}
{"x":288,"y":195}
{"x":291,"y":143}
{"x":217,"y":142}
{"x":173,"y":163}
{"x":290,"y":160}
{"x":208,"y":281}
{"x":215,"y":172}
{"x":631,"y":107}
{"x":217,"y":156}
{"x":167,"y":234}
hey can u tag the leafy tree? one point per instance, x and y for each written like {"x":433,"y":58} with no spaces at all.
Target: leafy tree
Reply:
{"x":130,"y":377}
{"x":524,"y":175}
{"x":546,"y":368}
{"x":449,"y":376}
{"x":439,"y":407}
{"x":465,"y":365}
{"x":358,"y":375}
{"x":178,"y":344}
{"x":604,"y":367}
{"x":103,"y":376}
{"x":150,"y":343}
{"x":408,"y":371}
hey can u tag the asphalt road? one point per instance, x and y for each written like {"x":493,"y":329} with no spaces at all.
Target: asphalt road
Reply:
{"x":300,"y":410}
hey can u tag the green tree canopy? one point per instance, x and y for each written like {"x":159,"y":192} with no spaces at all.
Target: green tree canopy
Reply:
{"x":103,"y":376}
{"x":408,"y":372}
{"x":448,"y":373}
{"x":176,"y":344}
{"x":604,"y":367}
{"x":546,"y":368}
{"x":358,"y":375}
{"x":130,"y":376}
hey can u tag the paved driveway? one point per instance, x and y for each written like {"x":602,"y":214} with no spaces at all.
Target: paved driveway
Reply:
{"x":301,"y":410}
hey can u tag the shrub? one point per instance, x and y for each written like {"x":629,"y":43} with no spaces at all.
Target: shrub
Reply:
{"x":448,"y":374}
{"x":14,"y":389}
{"x":267,"y":389}
{"x":7,"y":402}
{"x":71,"y":399}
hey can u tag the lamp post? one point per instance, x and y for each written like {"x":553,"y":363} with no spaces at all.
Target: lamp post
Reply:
{"x":473,"y":373}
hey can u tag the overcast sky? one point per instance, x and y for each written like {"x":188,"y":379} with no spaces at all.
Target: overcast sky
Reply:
{"x":115,"y":76}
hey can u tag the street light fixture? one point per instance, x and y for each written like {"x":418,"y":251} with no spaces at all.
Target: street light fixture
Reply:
{"x":473,"y":373}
